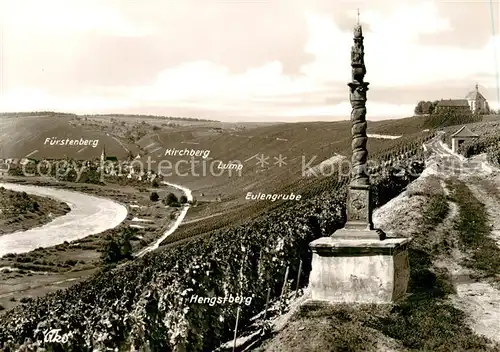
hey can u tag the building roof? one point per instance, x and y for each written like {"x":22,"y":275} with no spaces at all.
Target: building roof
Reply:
{"x":464,"y":132}
{"x":453,"y":103}
{"x":475,"y":95}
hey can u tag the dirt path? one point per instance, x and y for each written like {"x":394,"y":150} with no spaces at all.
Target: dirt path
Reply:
{"x":175,"y":225}
{"x":478,"y":299}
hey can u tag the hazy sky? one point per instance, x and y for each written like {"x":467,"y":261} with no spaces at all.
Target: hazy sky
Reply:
{"x":241,"y":59}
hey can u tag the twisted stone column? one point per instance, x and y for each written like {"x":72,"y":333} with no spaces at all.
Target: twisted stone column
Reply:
{"x":357,"y":97}
{"x":359,"y":204}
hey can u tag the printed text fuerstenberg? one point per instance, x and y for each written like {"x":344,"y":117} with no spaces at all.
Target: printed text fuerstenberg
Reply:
{"x":188,"y":152}
{"x":67,"y":141}
{"x":220,"y":300}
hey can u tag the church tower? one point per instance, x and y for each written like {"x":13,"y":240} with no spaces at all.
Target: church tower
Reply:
{"x":477,"y":102}
{"x":103,"y":154}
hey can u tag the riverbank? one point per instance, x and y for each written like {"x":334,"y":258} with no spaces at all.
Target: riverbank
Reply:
{"x":20,"y":211}
{"x":89,"y":215}
{"x":43,"y":270}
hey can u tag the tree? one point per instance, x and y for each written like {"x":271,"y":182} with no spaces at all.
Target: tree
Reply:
{"x":125,"y":245}
{"x":433,"y":106}
{"x":183,"y":199}
{"x":171,"y":199}
{"x":155,"y":184}
{"x":112,"y":251}
{"x":419,"y":108}
{"x":154,"y":197}
{"x":119,"y":247}
{"x":426,"y":107}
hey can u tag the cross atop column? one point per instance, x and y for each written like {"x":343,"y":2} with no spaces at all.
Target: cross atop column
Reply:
{"x":358,"y":17}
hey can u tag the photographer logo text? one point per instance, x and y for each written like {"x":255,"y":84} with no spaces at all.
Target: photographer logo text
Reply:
{"x":53,"y":335}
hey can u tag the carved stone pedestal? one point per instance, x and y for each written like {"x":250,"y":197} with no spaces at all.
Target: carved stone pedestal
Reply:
{"x":359,"y":270}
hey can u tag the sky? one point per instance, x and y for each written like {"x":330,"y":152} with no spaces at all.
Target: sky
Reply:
{"x":245,"y":60}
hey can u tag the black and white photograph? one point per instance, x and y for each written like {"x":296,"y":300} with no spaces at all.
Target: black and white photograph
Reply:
{"x":249,"y":175}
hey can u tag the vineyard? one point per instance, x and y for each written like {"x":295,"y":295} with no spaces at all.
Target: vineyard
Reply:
{"x":450,"y":118}
{"x":488,"y":142}
{"x":147,"y":301}
{"x":401,"y":154}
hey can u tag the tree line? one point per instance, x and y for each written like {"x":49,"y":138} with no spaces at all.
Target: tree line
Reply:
{"x":425,"y":107}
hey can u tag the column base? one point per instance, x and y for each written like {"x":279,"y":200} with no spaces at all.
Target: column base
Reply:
{"x":359,"y":270}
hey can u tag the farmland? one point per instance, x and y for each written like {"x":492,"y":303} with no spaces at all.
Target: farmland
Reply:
{"x":270,"y":242}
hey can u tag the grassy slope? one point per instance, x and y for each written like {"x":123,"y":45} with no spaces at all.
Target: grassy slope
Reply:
{"x":318,"y":140}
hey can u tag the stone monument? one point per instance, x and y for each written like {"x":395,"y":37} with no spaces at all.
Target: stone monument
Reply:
{"x":358,"y":264}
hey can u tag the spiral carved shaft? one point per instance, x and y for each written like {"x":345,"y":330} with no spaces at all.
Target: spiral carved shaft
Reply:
{"x":357,"y":97}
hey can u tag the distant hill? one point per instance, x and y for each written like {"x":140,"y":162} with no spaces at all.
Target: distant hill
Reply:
{"x":64,"y":114}
{"x":151,"y":117}
{"x":36,"y":113}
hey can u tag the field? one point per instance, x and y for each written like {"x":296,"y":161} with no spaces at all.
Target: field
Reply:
{"x":270,"y":242}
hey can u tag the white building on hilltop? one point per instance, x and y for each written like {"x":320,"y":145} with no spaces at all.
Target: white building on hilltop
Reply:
{"x":477,"y":102}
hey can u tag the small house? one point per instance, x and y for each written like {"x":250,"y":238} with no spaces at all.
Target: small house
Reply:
{"x":459,"y":137}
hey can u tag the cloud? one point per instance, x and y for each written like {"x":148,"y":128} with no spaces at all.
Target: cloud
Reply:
{"x":68,"y":17}
{"x":228,"y":70}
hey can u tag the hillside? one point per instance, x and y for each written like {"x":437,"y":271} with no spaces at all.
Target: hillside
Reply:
{"x":301,"y":146}
{"x":20,"y":211}
{"x":26,"y":137}
{"x":246,"y":250}
{"x":269,"y":242}
{"x":224,"y":143}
